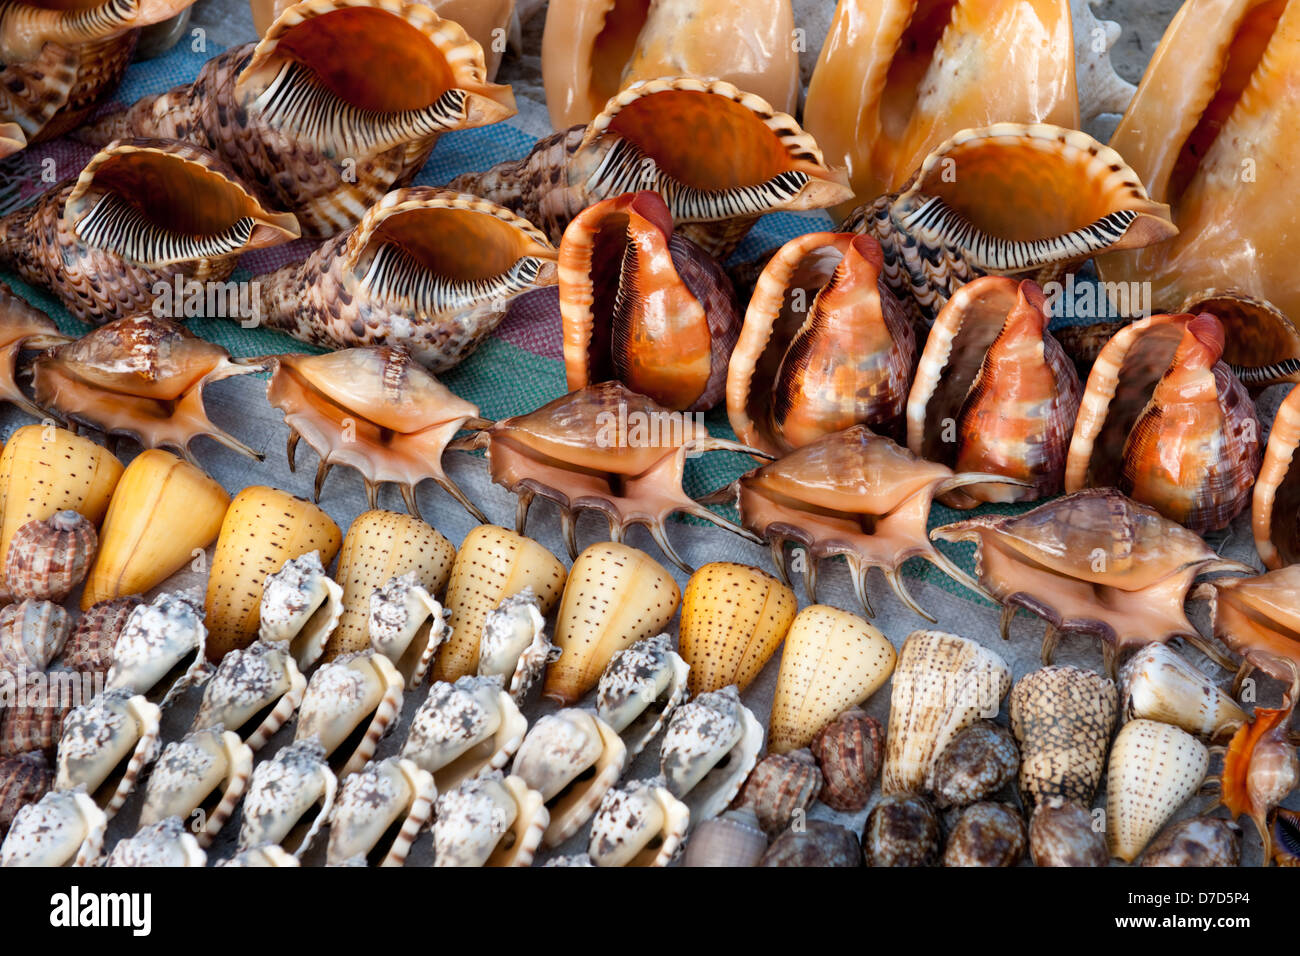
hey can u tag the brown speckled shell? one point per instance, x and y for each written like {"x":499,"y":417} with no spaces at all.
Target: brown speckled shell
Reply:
{"x":1061,"y":833}
{"x":1196,"y":841}
{"x":977,"y":764}
{"x":849,"y":751}
{"x":28,"y":724}
{"x":817,"y":843}
{"x":986,"y":834}
{"x":47,"y":559}
{"x":23,"y":779}
{"x":780,"y":786}
{"x":732,"y":839}
{"x":90,"y":647}
{"x":902,"y":830}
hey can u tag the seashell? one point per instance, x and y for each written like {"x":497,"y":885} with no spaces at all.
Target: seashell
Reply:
{"x":977,"y":763}
{"x":1158,"y":400}
{"x":1211,"y":105}
{"x":1196,"y":841}
{"x":591,"y":51}
{"x":1286,"y":842}
{"x":1063,"y":833}
{"x":711,"y":745}
{"x":641,"y":689}
{"x":143,"y":377}
{"x":407,"y":626}
{"x":902,"y":830}
{"x":289,"y":798}
{"x":261,"y":856}
{"x":818,"y":843}
{"x":827,"y":496}
{"x":151,"y":651}
{"x":12,"y":139}
{"x":464,"y":730}
{"x":492,"y":564}
{"x":301,"y":604}
{"x":22,"y":327}
{"x":897,"y":77}
{"x":34,"y":488}
{"x":24,"y":780}
{"x":63,"y":828}
{"x":262,"y":529}
{"x":644,"y":306}
{"x":1102,"y":91}
{"x":345,"y":695}
{"x":832,"y":660}
{"x":383,"y":796}
{"x":1275,"y":506}
{"x":1154,"y":768}
{"x":254,"y":692}
{"x":201,"y":779}
{"x":572,"y":859}
{"x":986,"y":834}
{"x":942,"y":684}
{"x":1255,"y":617}
{"x":163,"y":511}
{"x":165,"y":843}
{"x":514,"y":645}
{"x":374,"y":409}
{"x":1260,"y":767}
{"x":492,"y":820}
{"x":430,"y":271}
{"x":849,"y":751}
{"x":781,"y":788}
{"x":605,"y":448}
{"x":991,"y":368}
{"x":734,"y":617}
{"x":32,"y":633}
{"x":379,"y":546}
{"x":641,"y":824}
{"x":105,"y":745}
{"x":284,"y":110}
{"x":190,"y":225}
{"x":1063,"y":718}
{"x":820,"y":298}
{"x":1093,"y":562}
{"x":647,"y":136}
{"x":1160,"y":685}
{"x":733,"y":839}
{"x":571,"y":758}
{"x":47,"y":559}
{"x":89,"y":648}
{"x":34,"y":721}
{"x":614,"y":597}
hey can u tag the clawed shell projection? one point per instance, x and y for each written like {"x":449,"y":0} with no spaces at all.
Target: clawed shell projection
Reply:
{"x":902,"y":830}
{"x":1154,"y":768}
{"x":301,"y":604}
{"x":32,"y":634}
{"x":1196,"y":842}
{"x":464,"y":730}
{"x":105,"y":746}
{"x":1256,"y":618}
{"x":24,"y":780}
{"x":200,"y":779}
{"x":1063,"y":833}
{"x":942,"y":684}
{"x":492,"y":820}
{"x":22,"y":326}
{"x":515,"y":646}
{"x":781,"y":788}
{"x":375,"y":410}
{"x":641,"y":824}
{"x":975,"y":765}
{"x":825,"y":345}
{"x":47,"y":559}
{"x":986,"y":834}
{"x":1158,"y":684}
{"x":733,"y":838}
{"x":849,"y":751}
{"x":407,"y":625}
{"x":350,"y":703}
{"x":253,"y":692}
{"x":711,"y":745}
{"x":1275,"y":502}
{"x":160,"y":650}
{"x":640,"y":689}
{"x":167,"y":843}
{"x":64,"y":828}
{"x":383,"y":797}
{"x":289,"y":798}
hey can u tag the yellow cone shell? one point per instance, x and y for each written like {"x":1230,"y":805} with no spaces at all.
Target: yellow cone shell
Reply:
{"x":44,"y":470}
{"x":380,"y":546}
{"x":163,"y":509}
{"x":1154,"y":769}
{"x":833,"y":660}
{"x":615,"y":596}
{"x":263,"y":528}
{"x":734,"y":617}
{"x":491,"y":565}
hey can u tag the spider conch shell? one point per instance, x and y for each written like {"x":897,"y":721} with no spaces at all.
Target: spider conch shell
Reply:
{"x":207,"y":771}
{"x":942,"y":684}
{"x":166,"y":843}
{"x":1275,"y":502}
{"x":492,"y":564}
{"x":641,"y":824}
{"x":1159,"y":684}
{"x":191,"y":221}
{"x":287,"y":111}
{"x":407,"y":625}
{"x":1154,"y":768}
{"x":302,"y":605}
{"x":64,"y":828}
{"x":1102,"y":91}
{"x":345,"y":693}
{"x":711,"y":745}
{"x":430,"y":270}
{"x":897,"y":77}
{"x":383,"y":795}
{"x":493,"y":820}
{"x":571,"y":758}
{"x":153,"y":647}
{"x":514,"y":645}
{"x":640,"y":689}
{"x":105,"y":745}
{"x":1256,"y":618}
{"x":285,"y":791}
{"x":262,"y":679}
{"x":22,"y":326}
{"x":464,"y":730}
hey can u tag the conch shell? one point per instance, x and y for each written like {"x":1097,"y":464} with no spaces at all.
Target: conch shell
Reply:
{"x":464,"y":730}
{"x":301,"y":605}
{"x":160,"y":650}
{"x":514,"y":645}
{"x":203,"y":776}
{"x":711,"y":745}
{"x":1160,"y":685}
{"x":289,"y":798}
{"x":407,"y":625}
{"x":640,"y":689}
{"x":387,"y":795}
{"x":641,"y":824}
{"x":260,"y":682}
{"x":64,"y":828}
{"x":105,"y":746}
{"x":493,"y":820}
{"x":1275,"y":502}
{"x":350,"y":704}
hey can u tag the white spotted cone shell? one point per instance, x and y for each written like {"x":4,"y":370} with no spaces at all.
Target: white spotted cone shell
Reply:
{"x":1154,"y":768}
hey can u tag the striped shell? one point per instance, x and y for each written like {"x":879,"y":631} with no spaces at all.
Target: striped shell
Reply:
{"x":492,"y":820}
{"x":23,"y":780}
{"x":357,"y":689}
{"x":200,"y":779}
{"x":115,"y":728}
{"x":47,"y":559}
{"x":35,"y":720}
{"x":155,"y":641}
{"x":383,"y":795}
{"x":90,"y":646}
{"x":301,"y":604}
{"x":282,"y":794}
{"x":781,"y":789}
{"x":32,"y":633}
{"x":733,"y":838}
{"x":167,"y":843}
{"x":849,"y":751}
{"x":248,"y":682}
{"x":464,"y":730}
{"x":407,"y":625}
{"x":640,"y":824}
{"x":64,"y":828}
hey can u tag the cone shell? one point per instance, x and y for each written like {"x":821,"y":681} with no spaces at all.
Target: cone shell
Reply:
{"x":849,"y":751}
{"x":262,"y":679}
{"x":464,"y":730}
{"x":975,"y":765}
{"x":300,"y":605}
{"x":942,"y":685}
{"x":262,"y":529}
{"x":162,"y":513}
{"x":382,"y":545}
{"x":23,"y":780}
{"x":734,"y":617}
{"x":1158,"y":684}
{"x":491,"y":565}
{"x":1154,"y":768}
{"x":986,"y":834}
{"x":1062,"y":717}
{"x":1062,"y":833}
{"x":780,"y":787}
{"x":614,"y":597}
{"x":832,"y":660}
{"x":47,"y":559}
{"x":640,"y":689}
{"x":732,"y":839}
{"x":902,"y":830}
